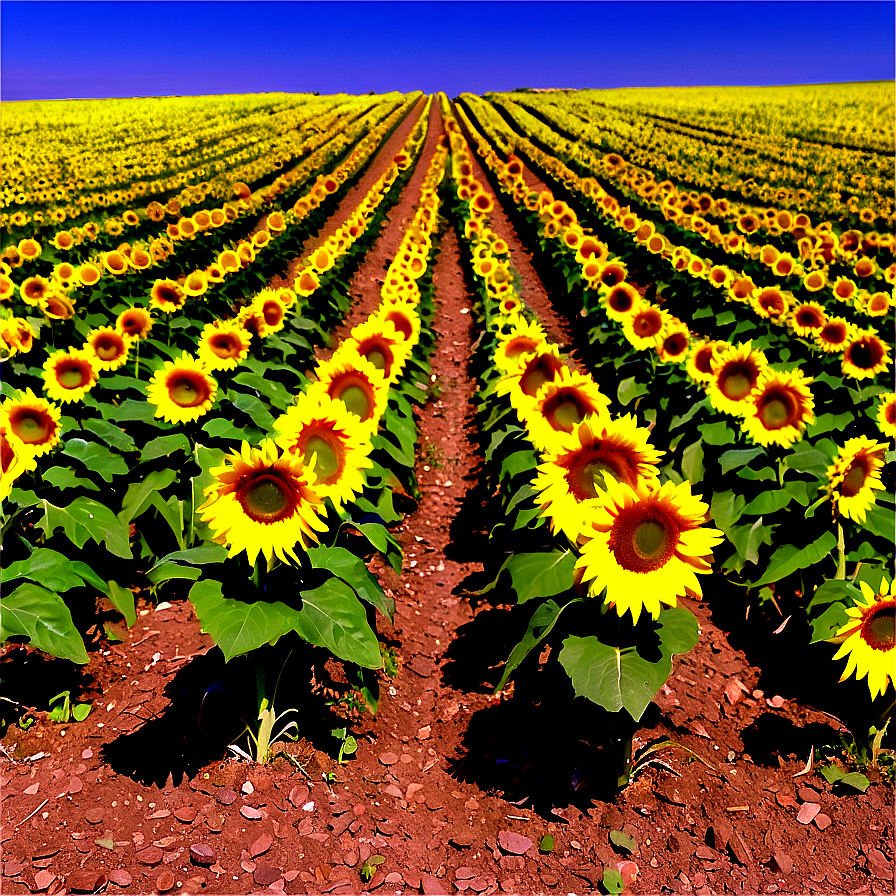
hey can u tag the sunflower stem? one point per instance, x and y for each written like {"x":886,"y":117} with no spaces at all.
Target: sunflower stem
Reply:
{"x":841,"y":551}
{"x":137,"y":360}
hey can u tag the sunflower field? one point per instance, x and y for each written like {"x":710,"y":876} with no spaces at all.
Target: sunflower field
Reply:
{"x":195,"y":407}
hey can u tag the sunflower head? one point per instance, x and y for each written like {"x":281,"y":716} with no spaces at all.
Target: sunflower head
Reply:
{"x":781,"y":406}
{"x":181,"y":390}
{"x":643,"y":328}
{"x":33,"y":421}
{"x":135,"y":323}
{"x":886,"y":414}
{"x":645,"y":545}
{"x":382,"y":346}
{"x":735,"y":375}
{"x":167,"y":296}
{"x":834,"y":335}
{"x":69,"y":375}
{"x":621,"y":301}
{"x":807,"y":319}
{"x":223,"y":345}
{"x":674,"y":344}
{"x":868,"y":639}
{"x":262,"y":502}
{"x":563,"y":403}
{"x":523,"y":339}
{"x":865,"y":355}
{"x":855,"y":476}
{"x":353,"y":380}
{"x":700,"y":358}
{"x":109,"y":347}
{"x":523,"y":383}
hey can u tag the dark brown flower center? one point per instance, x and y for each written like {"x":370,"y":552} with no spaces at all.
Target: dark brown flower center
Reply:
{"x":327,"y":456}
{"x":879,"y":628}
{"x":31,"y":426}
{"x":643,"y":540}
{"x":865,"y":354}
{"x":539,"y":371}
{"x":267,"y":496}
{"x":777,"y":408}
{"x":188,"y":389}
{"x":73,"y":375}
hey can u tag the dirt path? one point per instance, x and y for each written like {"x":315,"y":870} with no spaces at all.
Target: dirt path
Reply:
{"x":380,"y":162}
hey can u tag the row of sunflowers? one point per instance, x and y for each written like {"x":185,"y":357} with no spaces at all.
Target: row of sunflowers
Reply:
{"x":765,"y":497}
{"x":819,"y":174}
{"x":190,"y":147}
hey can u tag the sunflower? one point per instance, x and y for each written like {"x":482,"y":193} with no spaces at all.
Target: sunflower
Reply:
{"x":223,"y":344}
{"x":735,"y":375}
{"x":115,"y":262}
{"x":621,"y":301}
{"x":307,"y":282}
{"x":834,"y":335}
{"x":561,"y":404}
{"x":17,"y":335}
{"x":868,"y":639}
{"x":32,"y":420}
{"x":35,"y":290}
{"x":135,"y":322}
{"x":674,"y":343}
{"x":69,"y":375}
{"x":331,"y":441}
{"x":807,"y":319}
{"x":741,"y":290}
{"x":58,"y":306}
{"x":355,"y":382}
{"x":613,"y":273}
{"x":383,"y":346}
{"x":645,"y":545}
{"x":260,"y":502}
{"x":109,"y":347}
{"x":571,"y":481}
{"x":770,"y":303}
{"x":865,"y":355}
{"x":886,"y":414}
{"x":63,"y":240}
{"x":404,"y":318}
{"x":855,"y":476}
{"x":845,"y":289}
{"x":700,"y":357}
{"x":195,"y":284}
{"x":181,"y":390}
{"x":167,"y":296}
{"x":878,"y":304}
{"x":779,"y":409}
{"x":29,"y":249}
{"x":15,"y":458}
{"x":642,"y":329}
{"x":524,"y":338}
{"x":522,"y":383}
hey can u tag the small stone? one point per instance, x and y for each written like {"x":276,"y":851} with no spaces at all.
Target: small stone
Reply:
{"x":424,"y":732}
{"x":298,"y":795}
{"x":432,"y":886}
{"x":465,"y":873}
{"x":248,"y":788}
{"x":388,"y":758}
{"x":265,"y":875}
{"x":75,"y":785}
{"x":394,"y":791}
{"x":822,"y":821}
{"x":93,"y":816}
{"x":462,"y":838}
{"x":151,"y":856}
{"x":186,"y":814}
{"x":13,"y":868}
{"x":162,"y":813}
{"x":359,"y":809}
{"x":30,"y":791}
{"x":515,"y":844}
{"x":85,"y":881}
{"x":165,"y":882}
{"x":808,"y":795}
{"x":261,"y":846}
{"x":122,"y":878}
{"x":215,"y":823}
{"x":165,"y":842}
{"x":412,"y":791}
{"x":393,"y":878}
{"x":43,"y":879}
{"x":251,"y":813}
{"x":704,"y":852}
{"x":202,"y":854}
{"x":88,"y":754}
{"x":512,"y":863}
{"x":225,"y":796}
{"x":807,"y":812}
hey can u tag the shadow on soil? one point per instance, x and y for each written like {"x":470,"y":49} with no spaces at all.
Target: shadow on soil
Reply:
{"x":207,"y":699}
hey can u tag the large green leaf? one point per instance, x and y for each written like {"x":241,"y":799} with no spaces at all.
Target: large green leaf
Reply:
{"x":54,"y":571}
{"x":96,"y":458}
{"x":110,"y":433}
{"x":332,"y":616}
{"x":738,"y":457}
{"x":84,"y":519}
{"x":541,"y":574}
{"x":43,"y":618}
{"x":619,"y":677}
{"x":692,"y":462}
{"x":379,"y":536}
{"x":769,"y":501}
{"x":255,"y":408}
{"x":717,"y":433}
{"x":880,"y":521}
{"x":123,"y":601}
{"x":199,"y":556}
{"x":354,"y":572}
{"x":275,"y":392}
{"x":140,"y":494}
{"x":791,"y":557}
{"x":237,"y":626}
{"x":630,"y":389}
{"x":540,"y":625}
{"x":64,"y":477}
{"x":162,"y":446}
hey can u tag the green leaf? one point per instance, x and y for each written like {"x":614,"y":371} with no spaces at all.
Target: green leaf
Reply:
{"x":623,"y":841}
{"x":163,"y":572}
{"x":199,"y":556}
{"x":517,"y":463}
{"x":829,"y":423}
{"x":769,"y":502}
{"x":172,"y":511}
{"x":498,"y":437}
{"x":747,"y":540}
{"x":64,"y":477}
{"x":123,"y":600}
{"x":541,"y":574}
{"x":43,"y":618}
{"x":131,"y":410}
{"x":540,"y":625}
{"x":163,"y":446}
{"x":856,"y":780}
{"x":880,"y":521}
{"x":96,"y":458}
{"x":54,"y":571}
{"x":688,"y":415}
{"x":378,"y":535}
{"x":331,"y":616}
{"x":221,"y":428}
{"x":80,"y":711}
{"x":110,"y":434}
{"x":275,"y":392}
{"x":612,"y":881}
{"x":832,"y":773}
{"x":717,"y":433}
{"x":238,"y":626}
{"x":726,"y":509}
{"x":546,"y":844}
{"x":692,"y":462}
{"x":739,"y":457}
{"x":619,"y":677}
{"x":139,"y":494}
{"x":726,"y":317}
{"x":354,"y":572}
{"x":630,"y":389}
{"x":256,"y":409}
{"x":826,"y":625}
{"x":85,"y":519}
{"x":791,"y":557}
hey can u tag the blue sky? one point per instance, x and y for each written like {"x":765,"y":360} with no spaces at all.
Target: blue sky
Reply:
{"x":52,"y":50}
